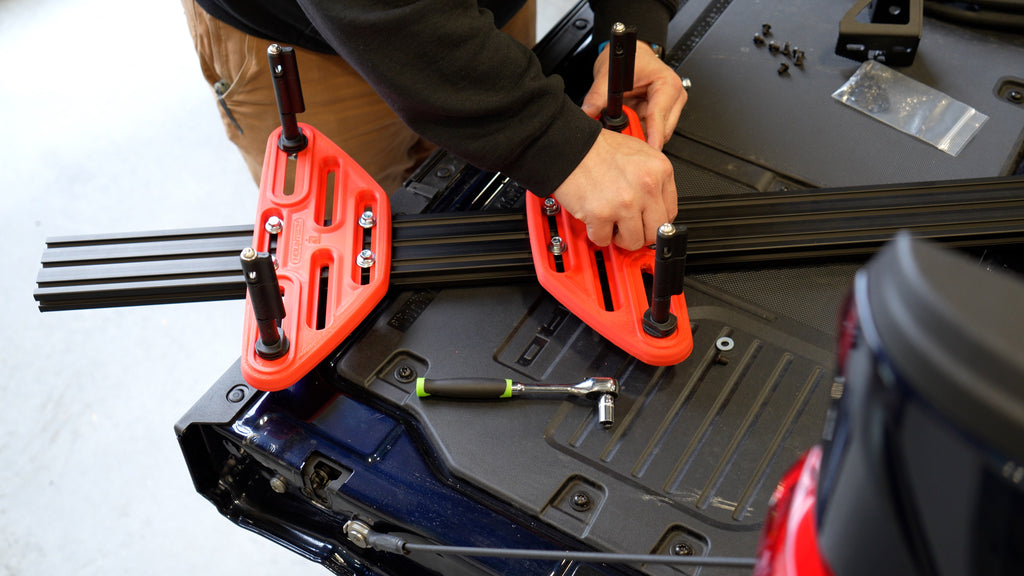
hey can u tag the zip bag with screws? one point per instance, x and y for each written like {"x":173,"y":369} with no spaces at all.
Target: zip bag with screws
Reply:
{"x":911,"y":107}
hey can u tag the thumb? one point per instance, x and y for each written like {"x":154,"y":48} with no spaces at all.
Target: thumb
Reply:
{"x":596,"y":100}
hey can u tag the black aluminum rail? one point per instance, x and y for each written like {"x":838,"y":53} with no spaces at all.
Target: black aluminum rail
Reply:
{"x":100,"y":271}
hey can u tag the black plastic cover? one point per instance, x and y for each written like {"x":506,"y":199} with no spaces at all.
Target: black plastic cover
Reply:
{"x":954,"y":331}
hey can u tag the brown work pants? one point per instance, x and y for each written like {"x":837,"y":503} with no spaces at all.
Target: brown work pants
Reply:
{"x":339,"y":103}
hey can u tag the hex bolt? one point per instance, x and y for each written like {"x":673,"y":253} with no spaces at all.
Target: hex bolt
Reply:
{"x":783,"y":69}
{"x":365,"y":259}
{"x":279,"y":484}
{"x":551,"y":206}
{"x":798,"y":57}
{"x":274,"y":225}
{"x":367,"y":219}
{"x":687,"y":83}
{"x":759,"y":40}
{"x":556,"y":246}
{"x":766,"y":29}
{"x":774,"y":47}
{"x":786,"y":50}
{"x":581,"y":501}
{"x":682,"y":549}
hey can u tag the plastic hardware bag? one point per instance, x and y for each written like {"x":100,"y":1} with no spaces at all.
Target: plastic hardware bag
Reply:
{"x":911,"y":107}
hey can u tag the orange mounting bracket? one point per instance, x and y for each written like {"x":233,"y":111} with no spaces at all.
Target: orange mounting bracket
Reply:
{"x":603,"y":286}
{"x":332,"y":232}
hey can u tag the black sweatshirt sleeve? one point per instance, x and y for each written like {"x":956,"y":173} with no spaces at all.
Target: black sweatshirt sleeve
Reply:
{"x":455,"y":79}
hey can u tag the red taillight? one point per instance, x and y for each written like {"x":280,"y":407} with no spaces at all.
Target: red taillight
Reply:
{"x":789,"y":541}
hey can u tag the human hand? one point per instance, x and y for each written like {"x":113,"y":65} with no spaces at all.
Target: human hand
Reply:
{"x":623,"y":190}
{"x":657,"y":96}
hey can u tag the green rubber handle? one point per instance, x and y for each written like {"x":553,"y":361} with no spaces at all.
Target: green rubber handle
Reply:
{"x":479,"y":388}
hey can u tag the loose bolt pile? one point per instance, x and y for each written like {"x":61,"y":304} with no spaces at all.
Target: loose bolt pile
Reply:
{"x":792,"y":52}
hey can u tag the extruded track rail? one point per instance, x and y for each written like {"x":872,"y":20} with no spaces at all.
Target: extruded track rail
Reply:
{"x":110,"y":270}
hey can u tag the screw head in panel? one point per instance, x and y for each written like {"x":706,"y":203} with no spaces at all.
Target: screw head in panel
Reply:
{"x":682,"y":549}
{"x":556,"y":246}
{"x":367,"y":219}
{"x":581,"y":501}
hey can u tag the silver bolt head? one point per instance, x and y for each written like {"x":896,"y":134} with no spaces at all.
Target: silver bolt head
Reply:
{"x":556,"y":246}
{"x":366,"y":259}
{"x":279,"y":484}
{"x":687,"y":83}
{"x":667,"y":229}
{"x":248,"y":254}
{"x":274,"y":225}
{"x":551,"y":206}
{"x":367,"y":219}
{"x":619,"y":27}
{"x":274,"y":49}
{"x":357,"y":533}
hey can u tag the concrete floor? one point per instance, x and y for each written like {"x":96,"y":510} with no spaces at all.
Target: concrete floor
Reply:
{"x":108,"y":127}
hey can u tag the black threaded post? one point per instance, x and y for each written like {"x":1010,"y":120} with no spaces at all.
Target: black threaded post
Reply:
{"x":669,"y":269}
{"x":267,"y":304}
{"x":288,"y":90}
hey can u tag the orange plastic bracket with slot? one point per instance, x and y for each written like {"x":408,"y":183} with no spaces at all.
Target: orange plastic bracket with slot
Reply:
{"x":326,"y":292}
{"x":611,"y":302}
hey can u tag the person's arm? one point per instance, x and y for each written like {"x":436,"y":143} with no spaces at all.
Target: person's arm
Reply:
{"x":638,"y":181}
{"x":461,"y":83}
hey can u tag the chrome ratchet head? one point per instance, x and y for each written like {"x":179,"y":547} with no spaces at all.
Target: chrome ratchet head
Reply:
{"x":604,"y":390}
